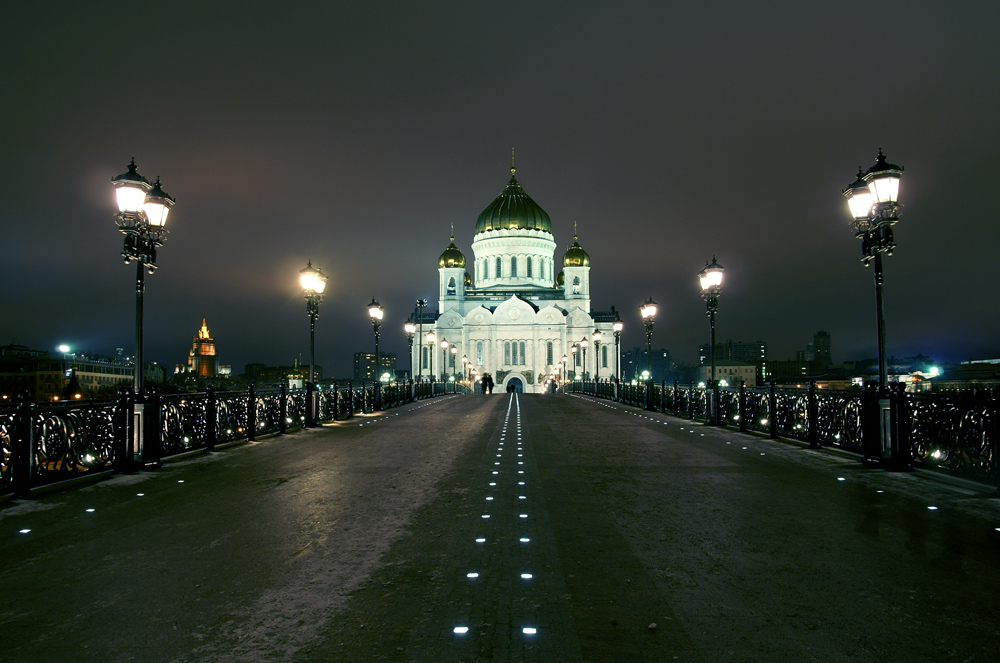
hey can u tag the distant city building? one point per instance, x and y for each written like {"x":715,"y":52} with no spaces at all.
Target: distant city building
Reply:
{"x":364,"y":365}
{"x":202,"y":360}
{"x":262,"y":376}
{"x":56,"y":376}
{"x":634,"y":363}
{"x":754,"y":352}
{"x":729,"y":371}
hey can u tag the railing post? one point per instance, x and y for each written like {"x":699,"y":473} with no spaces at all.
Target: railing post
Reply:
{"x":743,"y":406}
{"x":283,"y":411}
{"x":23,"y":446}
{"x":336,"y":401}
{"x":663,"y":396}
{"x":871,"y":438}
{"x":691,"y":400}
{"x":123,"y":419}
{"x":152,"y":427}
{"x":677,"y":397}
{"x":813,"y":413}
{"x":251,"y":414}
{"x":310,"y":395}
{"x":772,"y":406}
{"x":900,"y":424}
{"x":993,"y":432}
{"x":211,"y":415}
{"x":350,"y":398}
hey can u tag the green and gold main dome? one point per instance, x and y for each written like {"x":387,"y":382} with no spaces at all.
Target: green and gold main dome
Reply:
{"x":513,"y":209}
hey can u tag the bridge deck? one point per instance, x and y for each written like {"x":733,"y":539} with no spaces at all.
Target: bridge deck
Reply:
{"x":354,"y":543}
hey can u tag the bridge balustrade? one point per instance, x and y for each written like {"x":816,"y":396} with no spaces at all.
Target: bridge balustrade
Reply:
{"x":42,"y":443}
{"x":953,"y":432}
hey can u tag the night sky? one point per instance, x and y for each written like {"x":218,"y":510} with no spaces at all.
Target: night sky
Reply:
{"x":355,"y":134}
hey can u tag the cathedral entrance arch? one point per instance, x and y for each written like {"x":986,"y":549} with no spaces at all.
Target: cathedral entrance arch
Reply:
{"x":514,"y":383}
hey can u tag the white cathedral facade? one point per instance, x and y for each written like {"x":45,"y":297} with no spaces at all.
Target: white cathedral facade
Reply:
{"x":519,"y":312}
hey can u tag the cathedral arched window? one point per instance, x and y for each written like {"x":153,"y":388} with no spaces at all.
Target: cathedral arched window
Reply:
{"x":513,"y":268}
{"x":576,"y":357}
{"x":513,"y":354}
{"x":451,"y":360}
{"x":604,"y":357}
{"x":506,"y":353}
{"x":576,"y":285}
{"x":548,"y":354}
{"x":524,"y":359}
{"x":451,"y":286}
{"x":479,"y":353}
{"x":528,"y":268}
{"x":499,"y":267}
{"x":423,"y":357}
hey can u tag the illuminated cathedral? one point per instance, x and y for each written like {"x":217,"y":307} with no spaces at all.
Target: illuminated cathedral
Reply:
{"x":520,"y":311}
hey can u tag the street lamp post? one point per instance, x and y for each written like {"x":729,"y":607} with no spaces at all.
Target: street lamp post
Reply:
{"x":465,"y":369}
{"x":648,"y":313}
{"x":375,"y":312}
{"x":454,"y":355}
{"x":141,"y":217}
{"x":410,"y":329}
{"x":313,"y":284}
{"x":618,"y":326}
{"x":583,"y":360}
{"x":421,"y":303}
{"x":444,"y":359}
{"x":563,"y":362}
{"x":597,"y":355}
{"x":711,"y":287}
{"x":430,"y":353}
{"x":874,"y":211}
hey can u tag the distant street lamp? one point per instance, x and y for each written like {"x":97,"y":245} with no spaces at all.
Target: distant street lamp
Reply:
{"x":421,"y":303}
{"x":648,"y":313}
{"x":573,"y":350}
{"x":618,"y":326}
{"x":874,"y":211}
{"x":375,"y":312}
{"x":465,"y":368}
{"x":563,"y":362}
{"x":430,"y":352}
{"x":597,"y":354}
{"x":583,"y":346}
{"x":313,"y":284}
{"x":410,"y":329}
{"x":711,"y":287}
{"x":444,"y":358}
{"x":141,"y":217}
{"x":454,"y":354}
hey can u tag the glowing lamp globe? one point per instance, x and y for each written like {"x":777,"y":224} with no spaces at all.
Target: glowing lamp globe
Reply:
{"x":130,"y":190}
{"x":157,"y":205}
{"x":859,"y":198}
{"x":883,"y":180}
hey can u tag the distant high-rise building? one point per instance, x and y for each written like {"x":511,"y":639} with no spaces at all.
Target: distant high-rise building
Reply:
{"x":364,"y":365}
{"x":202,"y":360}
{"x":821,"y":350}
{"x":634,"y":362}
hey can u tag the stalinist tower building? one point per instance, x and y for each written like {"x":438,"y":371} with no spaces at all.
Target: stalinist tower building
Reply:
{"x":520,"y":310}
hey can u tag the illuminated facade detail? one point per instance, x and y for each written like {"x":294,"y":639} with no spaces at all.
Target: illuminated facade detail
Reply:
{"x":202,"y":360}
{"x":513,"y":317}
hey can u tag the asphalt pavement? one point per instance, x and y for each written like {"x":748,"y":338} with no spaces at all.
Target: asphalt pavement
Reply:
{"x":505,"y":528}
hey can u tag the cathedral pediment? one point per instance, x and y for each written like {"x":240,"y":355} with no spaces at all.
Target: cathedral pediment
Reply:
{"x":515,"y":311}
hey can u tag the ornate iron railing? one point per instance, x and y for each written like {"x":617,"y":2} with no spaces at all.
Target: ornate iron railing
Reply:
{"x":957,"y":432}
{"x":49,"y":442}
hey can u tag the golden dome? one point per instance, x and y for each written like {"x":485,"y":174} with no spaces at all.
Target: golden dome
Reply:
{"x":451,"y":257}
{"x":513,"y":209}
{"x":575,"y":256}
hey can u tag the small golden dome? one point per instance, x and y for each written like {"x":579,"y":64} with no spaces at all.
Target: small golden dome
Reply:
{"x":451,"y":257}
{"x":575,"y":256}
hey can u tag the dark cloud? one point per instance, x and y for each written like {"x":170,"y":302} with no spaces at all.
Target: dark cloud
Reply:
{"x":355,"y":134}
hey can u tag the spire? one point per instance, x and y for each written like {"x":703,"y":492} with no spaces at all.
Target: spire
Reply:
{"x":513,"y":168}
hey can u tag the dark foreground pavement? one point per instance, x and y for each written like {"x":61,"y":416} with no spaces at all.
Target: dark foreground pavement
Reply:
{"x":615,"y":535}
